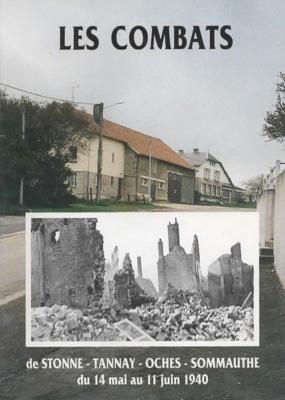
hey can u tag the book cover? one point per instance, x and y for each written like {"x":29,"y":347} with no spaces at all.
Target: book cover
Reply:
{"x":142,"y":194}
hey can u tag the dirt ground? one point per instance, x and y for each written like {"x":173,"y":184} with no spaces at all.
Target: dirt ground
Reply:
{"x":266,"y":383}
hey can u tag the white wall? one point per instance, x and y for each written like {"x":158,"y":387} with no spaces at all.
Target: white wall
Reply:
{"x":216,"y":167}
{"x":110,"y":168}
{"x":265,"y":207}
{"x":279,"y":227}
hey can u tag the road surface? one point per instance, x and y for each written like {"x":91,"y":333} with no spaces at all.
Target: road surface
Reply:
{"x":199,"y":208}
{"x":12,"y":266}
{"x":11,"y":224}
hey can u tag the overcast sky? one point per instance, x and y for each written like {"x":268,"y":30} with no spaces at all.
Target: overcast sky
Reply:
{"x":188,"y":98}
{"x":138,"y":234}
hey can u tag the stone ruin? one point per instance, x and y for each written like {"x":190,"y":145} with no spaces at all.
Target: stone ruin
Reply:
{"x":145,"y":283}
{"x":67,"y":262}
{"x":77,"y":297}
{"x":127,"y":292}
{"x":180,"y":269}
{"x":230,"y":280}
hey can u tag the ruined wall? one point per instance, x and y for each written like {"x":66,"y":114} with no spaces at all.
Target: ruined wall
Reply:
{"x":145,"y":283}
{"x":279,"y":227}
{"x":266,"y":209}
{"x":37,"y":295}
{"x":179,"y":269}
{"x":230,"y":280}
{"x":73,"y":264}
{"x":127,"y":292}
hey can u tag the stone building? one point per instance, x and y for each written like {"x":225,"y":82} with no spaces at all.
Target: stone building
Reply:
{"x":178,"y":268}
{"x":127,"y":292}
{"x":132,"y":161}
{"x":145,"y":283}
{"x":213,"y":182}
{"x":230,"y":280}
{"x":67,"y":262}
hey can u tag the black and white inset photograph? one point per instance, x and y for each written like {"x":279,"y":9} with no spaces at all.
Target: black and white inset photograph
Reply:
{"x":142,"y":279}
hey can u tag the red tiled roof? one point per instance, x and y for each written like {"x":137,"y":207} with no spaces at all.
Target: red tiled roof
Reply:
{"x":140,"y":143}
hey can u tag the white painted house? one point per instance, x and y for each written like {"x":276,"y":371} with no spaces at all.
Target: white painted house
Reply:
{"x":213,"y":183}
{"x":84,"y":168}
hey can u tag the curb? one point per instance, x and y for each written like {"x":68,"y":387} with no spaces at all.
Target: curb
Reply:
{"x":9,"y":235}
{"x":11,"y":297}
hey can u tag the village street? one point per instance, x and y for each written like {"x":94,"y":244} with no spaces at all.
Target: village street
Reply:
{"x":12,"y":266}
{"x":16,"y":383}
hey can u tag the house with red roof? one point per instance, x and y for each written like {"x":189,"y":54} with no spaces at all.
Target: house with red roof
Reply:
{"x":135,"y":166}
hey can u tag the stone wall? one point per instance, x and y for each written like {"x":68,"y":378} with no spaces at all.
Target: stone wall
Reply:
{"x":130,"y":175}
{"x":137,"y":169}
{"x":266,"y":209}
{"x":72,"y":262}
{"x":279,"y":227}
{"x":230,"y":280}
{"x":178,"y":268}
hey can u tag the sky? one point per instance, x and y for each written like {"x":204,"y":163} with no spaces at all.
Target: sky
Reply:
{"x":138,"y":235}
{"x":213,"y":100}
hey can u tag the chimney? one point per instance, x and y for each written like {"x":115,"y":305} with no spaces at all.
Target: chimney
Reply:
{"x":196,"y":150}
{"x":160,"y":248}
{"x":173,"y":235}
{"x":181,"y":151}
{"x":139,"y":261}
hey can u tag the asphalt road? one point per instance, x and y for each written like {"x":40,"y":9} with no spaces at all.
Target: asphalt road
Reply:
{"x":12,"y":266}
{"x":11,"y":224}
{"x":265,"y":383}
{"x":201,"y":208}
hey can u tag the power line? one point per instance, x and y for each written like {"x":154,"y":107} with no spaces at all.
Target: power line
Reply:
{"x":54,"y":98}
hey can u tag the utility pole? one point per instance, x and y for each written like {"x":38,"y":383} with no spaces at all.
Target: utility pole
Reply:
{"x":149,"y":173}
{"x":98,"y":118}
{"x":21,"y":193}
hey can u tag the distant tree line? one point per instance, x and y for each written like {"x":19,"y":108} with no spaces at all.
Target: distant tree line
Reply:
{"x":42,"y":157}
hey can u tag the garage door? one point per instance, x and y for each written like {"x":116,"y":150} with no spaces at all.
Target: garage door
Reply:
{"x":174,"y":187}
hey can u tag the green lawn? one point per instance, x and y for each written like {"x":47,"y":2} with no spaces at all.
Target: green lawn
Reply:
{"x":84,"y":206}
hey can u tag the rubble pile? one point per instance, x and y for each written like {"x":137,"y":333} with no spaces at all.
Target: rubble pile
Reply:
{"x":60,"y":323}
{"x":176,"y":316}
{"x":180,"y":316}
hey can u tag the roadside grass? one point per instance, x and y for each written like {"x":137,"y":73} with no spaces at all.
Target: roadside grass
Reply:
{"x":84,"y":206}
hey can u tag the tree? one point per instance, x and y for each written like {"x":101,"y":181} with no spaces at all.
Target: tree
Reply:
{"x":274,"y":127}
{"x":252,"y":186}
{"x":42,"y":158}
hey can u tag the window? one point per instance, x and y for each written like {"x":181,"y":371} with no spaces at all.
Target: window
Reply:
{"x":144,"y":182}
{"x":204,"y":188}
{"x":154,"y":166}
{"x":112,"y":180}
{"x":73,"y":153}
{"x":218,"y":191}
{"x":160,"y":185}
{"x":214,"y":190}
{"x":113,"y":157}
{"x":212,"y":162}
{"x":207,"y":173}
{"x":217,"y":175}
{"x":208,"y":190}
{"x":72,"y":180}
